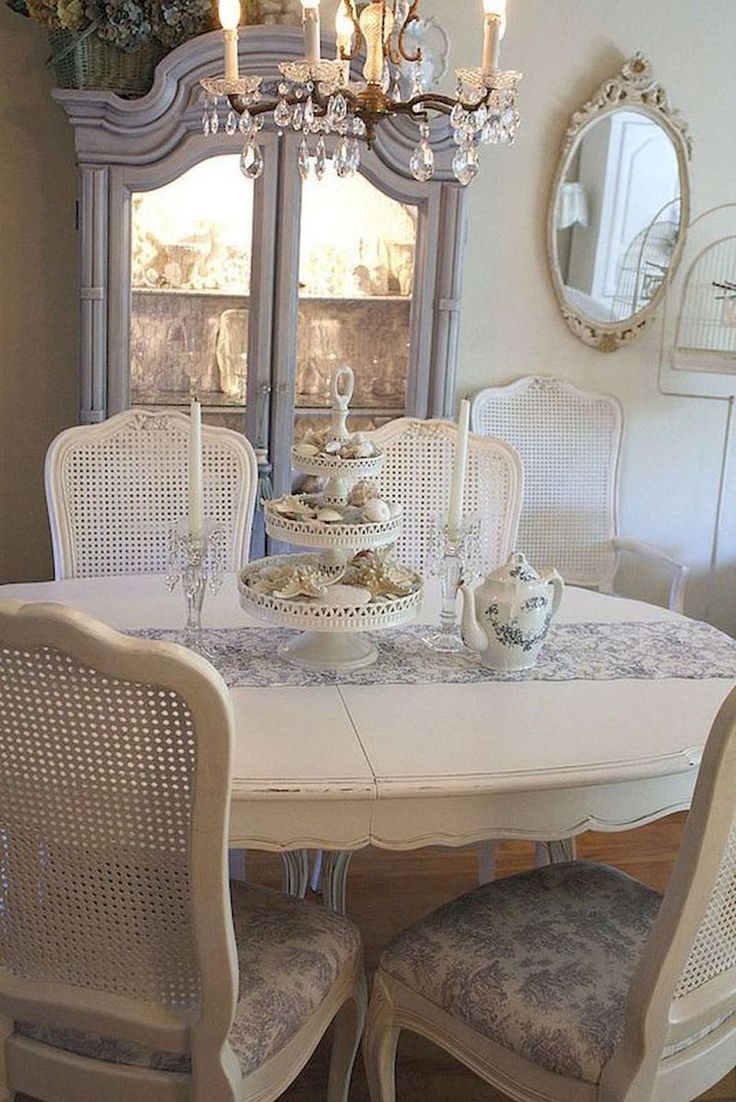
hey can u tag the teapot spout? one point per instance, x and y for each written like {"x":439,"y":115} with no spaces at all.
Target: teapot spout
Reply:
{"x":472,"y":634}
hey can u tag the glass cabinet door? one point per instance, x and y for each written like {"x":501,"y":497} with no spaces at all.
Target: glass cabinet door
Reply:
{"x":357,"y":250}
{"x":191,"y":253}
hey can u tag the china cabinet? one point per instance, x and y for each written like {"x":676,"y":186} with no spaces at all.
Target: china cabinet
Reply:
{"x":196,"y":278}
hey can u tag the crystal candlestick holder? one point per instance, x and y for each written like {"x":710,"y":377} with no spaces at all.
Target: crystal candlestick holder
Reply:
{"x":197,"y":560}
{"x":455,"y":557}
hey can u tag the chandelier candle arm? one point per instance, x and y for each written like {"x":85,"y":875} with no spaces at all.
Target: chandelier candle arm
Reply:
{"x":457,"y":488}
{"x":311,"y":25}
{"x":196,"y":493}
{"x":229,"y":13}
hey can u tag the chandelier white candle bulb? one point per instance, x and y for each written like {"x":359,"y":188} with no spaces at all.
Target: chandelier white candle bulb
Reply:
{"x":229,"y":13}
{"x":493,"y":31}
{"x":196,"y":491}
{"x":344,"y":30}
{"x":459,"y":471}
{"x":310,"y":22}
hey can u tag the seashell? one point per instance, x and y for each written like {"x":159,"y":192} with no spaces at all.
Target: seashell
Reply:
{"x":345,"y":596}
{"x":306,"y":451}
{"x":376,"y":511}
{"x":394,"y":509}
{"x":329,"y":516}
{"x":333,"y":447}
{"x":362,"y":492}
{"x":378,"y":573}
{"x":365,"y":451}
{"x":291,"y":506}
{"x":305,"y":581}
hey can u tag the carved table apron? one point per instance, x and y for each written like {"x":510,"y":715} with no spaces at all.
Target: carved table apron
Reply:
{"x":340,"y":767}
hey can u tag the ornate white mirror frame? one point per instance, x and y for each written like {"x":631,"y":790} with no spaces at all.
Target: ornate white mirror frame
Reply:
{"x":634,"y":89}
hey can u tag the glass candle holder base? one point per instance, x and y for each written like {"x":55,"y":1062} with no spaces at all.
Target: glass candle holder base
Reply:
{"x":455,"y":555}
{"x":197,"y":560}
{"x":445,"y":642}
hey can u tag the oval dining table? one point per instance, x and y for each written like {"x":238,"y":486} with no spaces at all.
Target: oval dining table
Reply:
{"x":339,"y":767}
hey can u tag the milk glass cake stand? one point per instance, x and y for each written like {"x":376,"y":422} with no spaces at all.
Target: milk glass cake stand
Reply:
{"x":350,"y":584}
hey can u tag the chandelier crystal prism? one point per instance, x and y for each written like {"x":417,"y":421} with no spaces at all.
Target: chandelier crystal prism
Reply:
{"x":316,"y":97}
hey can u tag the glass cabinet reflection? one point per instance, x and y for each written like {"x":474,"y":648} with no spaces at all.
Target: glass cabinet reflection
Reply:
{"x":357,"y":254}
{"x":190,"y":295}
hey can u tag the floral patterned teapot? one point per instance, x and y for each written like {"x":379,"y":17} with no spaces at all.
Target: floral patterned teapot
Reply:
{"x":506,"y":618}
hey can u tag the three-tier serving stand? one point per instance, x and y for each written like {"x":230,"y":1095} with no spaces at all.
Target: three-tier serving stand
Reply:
{"x":350,"y":584}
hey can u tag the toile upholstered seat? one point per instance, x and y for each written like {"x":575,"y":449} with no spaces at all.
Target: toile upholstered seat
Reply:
{"x":290,"y":953}
{"x":540,"y":963}
{"x":575,"y":982}
{"x":128,"y":968}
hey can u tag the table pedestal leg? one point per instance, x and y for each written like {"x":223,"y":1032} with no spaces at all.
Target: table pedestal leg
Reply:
{"x":335,"y":880}
{"x":295,"y":872}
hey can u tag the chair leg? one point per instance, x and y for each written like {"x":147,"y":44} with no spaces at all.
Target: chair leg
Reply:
{"x":346,"y":1034}
{"x":335,"y":880}
{"x":555,"y":853}
{"x":380,"y":1041}
{"x":295,"y":872}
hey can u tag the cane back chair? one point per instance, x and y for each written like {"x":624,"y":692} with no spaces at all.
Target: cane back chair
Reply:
{"x":570,"y":444}
{"x":115,"y":490}
{"x":576,"y":983}
{"x":417,"y":475}
{"x":126,"y":969}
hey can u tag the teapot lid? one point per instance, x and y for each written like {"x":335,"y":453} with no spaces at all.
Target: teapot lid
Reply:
{"x":516,"y":569}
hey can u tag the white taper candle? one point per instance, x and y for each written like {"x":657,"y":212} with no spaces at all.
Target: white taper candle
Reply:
{"x":229,"y":12}
{"x":310,"y":22}
{"x":196,"y":491}
{"x":494,"y":29}
{"x":459,"y":471}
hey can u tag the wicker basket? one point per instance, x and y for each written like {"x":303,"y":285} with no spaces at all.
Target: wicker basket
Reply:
{"x":93,"y":63}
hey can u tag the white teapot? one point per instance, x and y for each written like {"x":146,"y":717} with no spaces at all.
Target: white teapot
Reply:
{"x":507,"y":616}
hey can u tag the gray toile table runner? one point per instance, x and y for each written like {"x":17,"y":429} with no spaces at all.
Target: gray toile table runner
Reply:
{"x":573,"y":652}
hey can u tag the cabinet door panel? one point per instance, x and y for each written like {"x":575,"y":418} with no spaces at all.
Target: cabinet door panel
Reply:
{"x":190,"y":289}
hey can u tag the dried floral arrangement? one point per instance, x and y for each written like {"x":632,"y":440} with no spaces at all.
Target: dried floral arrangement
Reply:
{"x":125,"y":24}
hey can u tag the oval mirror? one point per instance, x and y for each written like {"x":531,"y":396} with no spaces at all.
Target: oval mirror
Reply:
{"x":619,"y":208}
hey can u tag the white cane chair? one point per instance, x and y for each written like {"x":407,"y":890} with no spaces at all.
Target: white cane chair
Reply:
{"x":127,"y":971}
{"x":115,"y":490}
{"x":570,"y":444}
{"x":417,"y":475}
{"x":575,"y":983}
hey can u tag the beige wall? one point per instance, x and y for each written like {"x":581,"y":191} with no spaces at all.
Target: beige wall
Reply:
{"x":38,"y":304}
{"x":510,"y":325}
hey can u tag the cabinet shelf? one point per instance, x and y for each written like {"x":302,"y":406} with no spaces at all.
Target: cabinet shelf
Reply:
{"x":178,"y":292}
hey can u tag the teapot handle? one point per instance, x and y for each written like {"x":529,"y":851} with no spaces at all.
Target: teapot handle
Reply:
{"x":559,"y":588}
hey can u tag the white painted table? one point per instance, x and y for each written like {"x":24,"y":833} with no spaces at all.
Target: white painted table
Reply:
{"x":397,"y":766}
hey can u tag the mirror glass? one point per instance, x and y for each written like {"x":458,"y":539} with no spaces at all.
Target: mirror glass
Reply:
{"x":618,"y":216}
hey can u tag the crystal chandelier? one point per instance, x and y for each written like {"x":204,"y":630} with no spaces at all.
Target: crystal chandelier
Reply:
{"x":316,"y":97}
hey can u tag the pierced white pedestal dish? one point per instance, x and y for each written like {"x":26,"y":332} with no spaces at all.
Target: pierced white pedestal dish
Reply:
{"x":390,"y":595}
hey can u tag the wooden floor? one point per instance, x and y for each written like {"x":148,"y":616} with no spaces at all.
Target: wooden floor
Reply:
{"x":388,"y":891}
